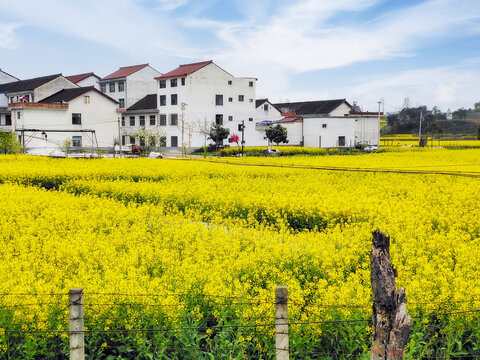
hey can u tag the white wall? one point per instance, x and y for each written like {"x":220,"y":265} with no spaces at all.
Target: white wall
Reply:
{"x":199,"y":95}
{"x":342,"y":110}
{"x":354,"y":129}
{"x":5,"y":78}
{"x":140,"y":84}
{"x":89,"y":81}
{"x":52,"y":87}
{"x":99,"y":115}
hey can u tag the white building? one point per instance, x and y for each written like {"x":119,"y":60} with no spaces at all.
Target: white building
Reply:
{"x":28,"y":91}
{"x":326,"y":123}
{"x":84,"y":115}
{"x":202,"y":94}
{"x":6,"y":77}
{"x":129,"y":84}
{"x":142,"y":114}
{"x":85,"y":80}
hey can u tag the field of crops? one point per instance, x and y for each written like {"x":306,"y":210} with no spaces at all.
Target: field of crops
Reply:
{"x":196,"y":247}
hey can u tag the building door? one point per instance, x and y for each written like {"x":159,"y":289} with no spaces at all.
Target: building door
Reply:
{"x":319,"y":141}
{"x":341,"y":141}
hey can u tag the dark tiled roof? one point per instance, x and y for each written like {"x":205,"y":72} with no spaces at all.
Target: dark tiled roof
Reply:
{"x":27,"y":85}
{"x":259,"y":102}
{"x":125,"y":71}
{"x":67,"y":95}
{"x":77,"y":78}
{"x":184,"y":70}
{"x":312,"y":107}
{"x":149,"y":102}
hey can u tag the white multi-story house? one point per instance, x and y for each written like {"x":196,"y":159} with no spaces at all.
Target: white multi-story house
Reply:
{"x":200,"y":94}
{"x":28,"y":91}
{"x":5,"y":117}
{"x":85,"y":80}
{"x":142,"y":114}
{"x":327,"y":123}
{"x":129,"y":84}
{"x":84,"y":115}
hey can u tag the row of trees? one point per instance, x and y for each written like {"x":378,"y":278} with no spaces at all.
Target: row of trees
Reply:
{"x":433,"y":121}
{"x":275,"y":134}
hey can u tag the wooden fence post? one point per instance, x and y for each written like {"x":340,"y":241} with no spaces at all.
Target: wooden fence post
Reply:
{"x":76,"y":329}
{"x":281,"y":321}
{"x":391,"y":323}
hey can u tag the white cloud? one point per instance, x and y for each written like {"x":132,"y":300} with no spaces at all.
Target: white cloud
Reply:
{"x":122,"y":24}
{"x":8,"y":39}
{"x":446,"y":87}
{"x":172,"y":4}
{"x":300,"y":38}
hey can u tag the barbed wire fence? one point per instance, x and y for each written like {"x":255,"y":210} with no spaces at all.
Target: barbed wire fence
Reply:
{"x":274,"y":320}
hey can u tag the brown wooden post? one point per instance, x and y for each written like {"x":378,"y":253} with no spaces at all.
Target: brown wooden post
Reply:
{"x":281,"y":321}
{"x":76,"y":329}
{"x":391,"y":323}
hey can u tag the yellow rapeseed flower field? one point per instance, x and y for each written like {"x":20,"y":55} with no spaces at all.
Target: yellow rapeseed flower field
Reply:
{"x":175,"y":242}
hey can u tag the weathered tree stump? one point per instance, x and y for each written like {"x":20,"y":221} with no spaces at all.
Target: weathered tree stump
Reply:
{"x":391,"y":323}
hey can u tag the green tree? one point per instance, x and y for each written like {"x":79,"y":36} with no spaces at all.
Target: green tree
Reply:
{"x":8,"y":143}
{"x":478,"y":132}
{"x":217,"y":134}
{"x":277,"y":134}
{"x":148,"y":139}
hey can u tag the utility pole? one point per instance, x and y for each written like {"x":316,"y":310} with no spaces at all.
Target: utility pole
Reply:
{"x":182,"y":107}
{"x":420,"y":130}
{"x":241,"y":127}
{"x":119,"y":139}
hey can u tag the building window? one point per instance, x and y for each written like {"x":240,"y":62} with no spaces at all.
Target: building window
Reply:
{"x":152,"y":120}
{"x":132,"y":140}
{"x":86,"y":99}
{"x":250,"y":100}
{"x":76,"y":119}
{"x":19,"y":114}
{"x":173,"y":99}
{"x":173,"y":82}
{"x":229,"y":82}
{"x":142,"y":120}
{"x":121,"y":103}
{"x":250,"y":119}
{"x":142,"y":142}
{"x":241,"y":97}
{"x":112,"y":87}
{"x":123,"y":120}
{"x":162,"y":84}
{"x":163,"y":119}
{"x":8,"y":120}
{"x":132,"y":120}
{"x":163,"y":141}
{"x":174,"y":141}
{"x":121,"y":86}
{"x":230,"y":99}
{"x":230,"y":118}
{"x":76,"y":141}
{"x":103,"y":88}
{"x":265,"y":107}
{"x":123,"y":139}
{"x":163,"y":100}
{"x":250,"y":83}
{"x":173,"y":119}
{"x":219,"y":119}
{"x":341,"y":141}
{"x":324,"y":126}
{"x":183,"y":81}
{"x":218,"y":99}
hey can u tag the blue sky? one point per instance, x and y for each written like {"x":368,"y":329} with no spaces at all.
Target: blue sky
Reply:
{"x":361,"y":50}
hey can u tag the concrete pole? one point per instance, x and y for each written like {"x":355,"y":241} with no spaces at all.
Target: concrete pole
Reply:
{"x":76,"y":334}
{"x":281,"y":321}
